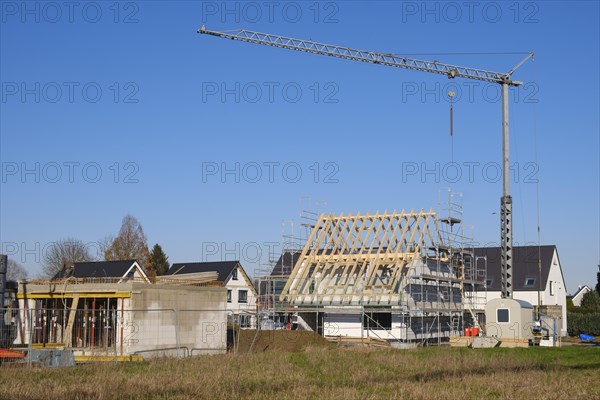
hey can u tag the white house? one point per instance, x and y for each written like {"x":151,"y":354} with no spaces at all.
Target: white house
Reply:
{"x":241,"y":293}
{"x":537,"y":278}
{"x":578,"y":296}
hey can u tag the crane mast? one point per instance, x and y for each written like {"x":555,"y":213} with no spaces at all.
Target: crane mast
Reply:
{"x":451,"y":71}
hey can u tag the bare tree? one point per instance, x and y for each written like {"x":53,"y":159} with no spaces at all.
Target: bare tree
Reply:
{"x":130,"y":243}
{"x":103,"y":245}
{"x":15,"y":271}
{"x":64,"y":253}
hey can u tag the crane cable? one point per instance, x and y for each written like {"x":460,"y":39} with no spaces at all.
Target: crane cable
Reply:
{"x":537,"y":195}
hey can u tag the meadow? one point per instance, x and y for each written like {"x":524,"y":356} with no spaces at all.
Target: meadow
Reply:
{"x":326,"y":372}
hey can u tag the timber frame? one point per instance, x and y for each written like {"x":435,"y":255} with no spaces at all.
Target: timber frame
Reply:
{"x":361,"y":259}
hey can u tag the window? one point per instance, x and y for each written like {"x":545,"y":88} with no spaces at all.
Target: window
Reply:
{"x":551,"y":288}
{"x":234,"y":274}
{"x":245,"y":321}
{"x":243,"y":296}
{"x":228,"y":295}
{"x":488,"y":282}
{"x":503,"y":315}
{"x":377,"y":320}
{"x":529,"y":282}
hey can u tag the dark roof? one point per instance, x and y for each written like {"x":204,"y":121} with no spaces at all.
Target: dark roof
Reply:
{"x":525,"y":266}
{"x":223,"y":268}
{"x":96,"y":269}
{"x":285,"y":264}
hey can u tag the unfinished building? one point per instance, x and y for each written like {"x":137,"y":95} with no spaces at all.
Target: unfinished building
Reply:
{"x":120,"y":314}
{"x":399,"y":277}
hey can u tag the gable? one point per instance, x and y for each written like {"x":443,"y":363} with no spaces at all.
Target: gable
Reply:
{"x":242,"y":277}
{"x":581,"y":291}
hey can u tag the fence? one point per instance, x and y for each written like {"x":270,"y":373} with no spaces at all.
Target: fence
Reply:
{"x":106,"y":331}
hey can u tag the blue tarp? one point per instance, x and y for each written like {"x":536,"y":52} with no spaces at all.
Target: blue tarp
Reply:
{"x":583,"y":336}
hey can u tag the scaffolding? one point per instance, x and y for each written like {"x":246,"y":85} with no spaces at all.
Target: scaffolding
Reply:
{"x":471,"y":271}
{"x":273,"y":275}
{"x":448,"y":291}
{"x":405,"y":276}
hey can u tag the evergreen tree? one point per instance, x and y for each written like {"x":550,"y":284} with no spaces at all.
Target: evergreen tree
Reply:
{"x":598,"y":280}
{"x":159,"y":260}
{"x":591,"y":301}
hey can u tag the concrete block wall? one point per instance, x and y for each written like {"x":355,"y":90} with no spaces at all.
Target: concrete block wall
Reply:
{"x":194,"y":318}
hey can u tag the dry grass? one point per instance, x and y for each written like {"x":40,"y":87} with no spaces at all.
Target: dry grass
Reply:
{"x":326,"y":373}
{"x":279,"y":340}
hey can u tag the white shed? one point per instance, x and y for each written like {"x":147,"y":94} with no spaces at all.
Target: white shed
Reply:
{"x":509,"y":319}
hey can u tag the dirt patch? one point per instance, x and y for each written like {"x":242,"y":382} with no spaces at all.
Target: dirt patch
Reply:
{"x":279,"y":340}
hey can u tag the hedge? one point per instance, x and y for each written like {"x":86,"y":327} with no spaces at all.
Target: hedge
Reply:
{"x":588,"y":323}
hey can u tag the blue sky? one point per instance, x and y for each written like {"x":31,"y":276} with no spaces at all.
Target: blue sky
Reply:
{"x":119,"y":108}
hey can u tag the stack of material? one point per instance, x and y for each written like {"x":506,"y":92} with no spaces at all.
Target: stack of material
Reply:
{"x":197,"y":279}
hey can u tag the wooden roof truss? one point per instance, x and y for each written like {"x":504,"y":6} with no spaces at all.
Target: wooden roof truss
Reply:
{"x":361,"y":259}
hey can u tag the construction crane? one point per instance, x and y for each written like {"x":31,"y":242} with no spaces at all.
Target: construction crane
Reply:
{"x":451,"y":71}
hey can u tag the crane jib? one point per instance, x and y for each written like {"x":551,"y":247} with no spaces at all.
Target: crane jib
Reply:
{"x":391,"y":60}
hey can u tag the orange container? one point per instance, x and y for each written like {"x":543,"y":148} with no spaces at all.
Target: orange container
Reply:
{"x":471,"y":331}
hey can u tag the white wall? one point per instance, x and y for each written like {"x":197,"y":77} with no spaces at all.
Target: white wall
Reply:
{"x":557,"y":297}
{"x":577,"y":300}
{"x":235,"y":306}
{"x":351,"y":326}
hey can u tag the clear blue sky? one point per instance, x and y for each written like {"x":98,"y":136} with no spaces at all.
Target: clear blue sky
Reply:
{"x":174,"y":106}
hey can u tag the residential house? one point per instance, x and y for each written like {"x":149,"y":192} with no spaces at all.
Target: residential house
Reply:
{"x":578,"y":296}
{"x":241,"y":293}
{"x":537,"y":279}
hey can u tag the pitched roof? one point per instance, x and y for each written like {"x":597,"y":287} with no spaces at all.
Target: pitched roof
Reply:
{"x":286,"y":262}
{"x":525,"y":266}
{"x":96,"y":269}
{"x":222,"y":268}
{"x":581,"y":290}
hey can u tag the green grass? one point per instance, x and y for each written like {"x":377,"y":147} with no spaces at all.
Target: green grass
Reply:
{"x":326,"y":373}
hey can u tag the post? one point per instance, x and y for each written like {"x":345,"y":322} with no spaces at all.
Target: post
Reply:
{"x":506,"y":204}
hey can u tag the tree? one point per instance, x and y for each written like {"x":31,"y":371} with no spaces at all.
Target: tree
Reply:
{"x":130,"y":244}
{"x":64,"y":253}
{"x":570,"y":305}
{"x":103,"y":246}
{"x":591,"y":301}
{"x":15,"y":271}
{"x":160,"y":261}
{"x":598,"y":280}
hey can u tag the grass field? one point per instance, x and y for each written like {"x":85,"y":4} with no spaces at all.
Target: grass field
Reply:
{"x":326,"y":373}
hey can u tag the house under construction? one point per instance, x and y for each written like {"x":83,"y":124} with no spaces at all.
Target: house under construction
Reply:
{"x":112,"y":309}
{"x":400,"y":277}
